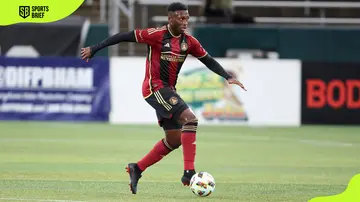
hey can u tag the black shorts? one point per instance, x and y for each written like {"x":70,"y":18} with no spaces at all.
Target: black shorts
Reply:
{"x":168,"y":106}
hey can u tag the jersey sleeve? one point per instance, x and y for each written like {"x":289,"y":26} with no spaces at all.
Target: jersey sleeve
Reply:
{"x":147,"y":36}
{"x":196,"y":49}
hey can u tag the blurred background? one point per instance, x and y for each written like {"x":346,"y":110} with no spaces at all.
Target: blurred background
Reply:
{"x":309,"y":30}
{"x":68,"y":127}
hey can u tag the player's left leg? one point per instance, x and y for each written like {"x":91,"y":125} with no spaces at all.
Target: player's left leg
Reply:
{"x":189,"y":124}
{"x":162,"y":148}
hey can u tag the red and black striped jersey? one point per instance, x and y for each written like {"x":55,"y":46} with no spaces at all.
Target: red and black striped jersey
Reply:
{"x":166,"y":55}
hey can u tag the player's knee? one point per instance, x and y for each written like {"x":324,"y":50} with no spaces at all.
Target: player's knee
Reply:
{"x":190,"y":125}
{"x":191,"y":120}
{"x":170,"y":144}
{"x":188,"y":117}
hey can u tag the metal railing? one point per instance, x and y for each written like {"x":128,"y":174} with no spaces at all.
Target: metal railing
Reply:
{"x":236,"y":3}
{"x":278,"y":20}
{"x":113,"y":18}
{"x":110,"y":12}
{"x":306,"y":4}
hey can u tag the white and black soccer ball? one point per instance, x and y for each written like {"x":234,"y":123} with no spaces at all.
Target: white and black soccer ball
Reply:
{"x":202,"y":184}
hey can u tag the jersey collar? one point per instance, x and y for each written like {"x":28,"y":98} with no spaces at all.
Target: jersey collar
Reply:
{"x":167,"y":26}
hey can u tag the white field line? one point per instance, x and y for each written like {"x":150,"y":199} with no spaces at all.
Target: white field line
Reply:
{"x":324,"y":143}
{"x":327,"y":143}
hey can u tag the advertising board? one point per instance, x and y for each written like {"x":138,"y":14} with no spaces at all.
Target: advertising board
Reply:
{"x":273,"y":96}
{"x":331,"y":93}
{"x":54,"y":88}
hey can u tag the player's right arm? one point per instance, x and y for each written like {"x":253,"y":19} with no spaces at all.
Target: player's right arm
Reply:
{"x":146,"y":36}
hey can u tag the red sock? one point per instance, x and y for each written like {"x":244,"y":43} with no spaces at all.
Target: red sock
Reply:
{"x":188,"y":141}
{"x":156,"y":154}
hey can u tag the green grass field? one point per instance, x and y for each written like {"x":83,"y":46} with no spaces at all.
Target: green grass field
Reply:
{"x":85,"y":162}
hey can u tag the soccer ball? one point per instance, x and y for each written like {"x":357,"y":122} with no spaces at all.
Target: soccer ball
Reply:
{"x":202,"y":184}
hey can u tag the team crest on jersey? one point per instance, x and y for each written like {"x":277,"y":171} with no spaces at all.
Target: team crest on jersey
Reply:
{"x":184,"y":46}
{"x":173,"y":100}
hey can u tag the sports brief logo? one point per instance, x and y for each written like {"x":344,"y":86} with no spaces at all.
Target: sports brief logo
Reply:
{"x":33,"y":11}
{"x":24,"y":11}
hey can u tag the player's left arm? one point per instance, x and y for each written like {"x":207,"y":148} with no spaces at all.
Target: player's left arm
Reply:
{"x":199,"y":52}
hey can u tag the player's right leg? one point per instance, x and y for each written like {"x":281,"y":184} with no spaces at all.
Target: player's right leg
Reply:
{"x":166,"y":145}
{"x":162,"y":148}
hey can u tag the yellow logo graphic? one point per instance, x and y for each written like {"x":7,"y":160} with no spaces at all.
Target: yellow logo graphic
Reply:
{"x":351,"y":194}
{"x":212,"y":95}
{"x":36,"y":11}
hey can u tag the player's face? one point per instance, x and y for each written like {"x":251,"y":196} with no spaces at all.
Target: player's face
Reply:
{"x":179,"y":21}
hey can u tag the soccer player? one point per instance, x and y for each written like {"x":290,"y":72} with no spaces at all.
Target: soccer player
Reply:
{"x":168,"y":47}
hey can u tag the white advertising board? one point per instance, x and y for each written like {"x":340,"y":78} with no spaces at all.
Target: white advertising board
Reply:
{"x":273,"y":96}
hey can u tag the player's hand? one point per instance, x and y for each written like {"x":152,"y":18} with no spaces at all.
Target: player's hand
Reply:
{"x":236,"y":82}
{"x":86,"y":54}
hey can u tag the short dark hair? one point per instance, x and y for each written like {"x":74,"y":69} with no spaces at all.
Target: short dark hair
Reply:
{"x":177,"y":6}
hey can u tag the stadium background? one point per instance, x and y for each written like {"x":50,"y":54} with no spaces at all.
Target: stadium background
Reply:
{"x":68,"y":127}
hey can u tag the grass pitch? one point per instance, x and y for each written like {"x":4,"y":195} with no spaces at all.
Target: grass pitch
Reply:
{"x":58,"y":162}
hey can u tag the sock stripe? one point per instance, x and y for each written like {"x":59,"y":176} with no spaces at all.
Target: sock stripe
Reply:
{"x":189,"y":128}
{"x":191,"y":124}
{"x":167,"y":144}
{"x":188,"y":131}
